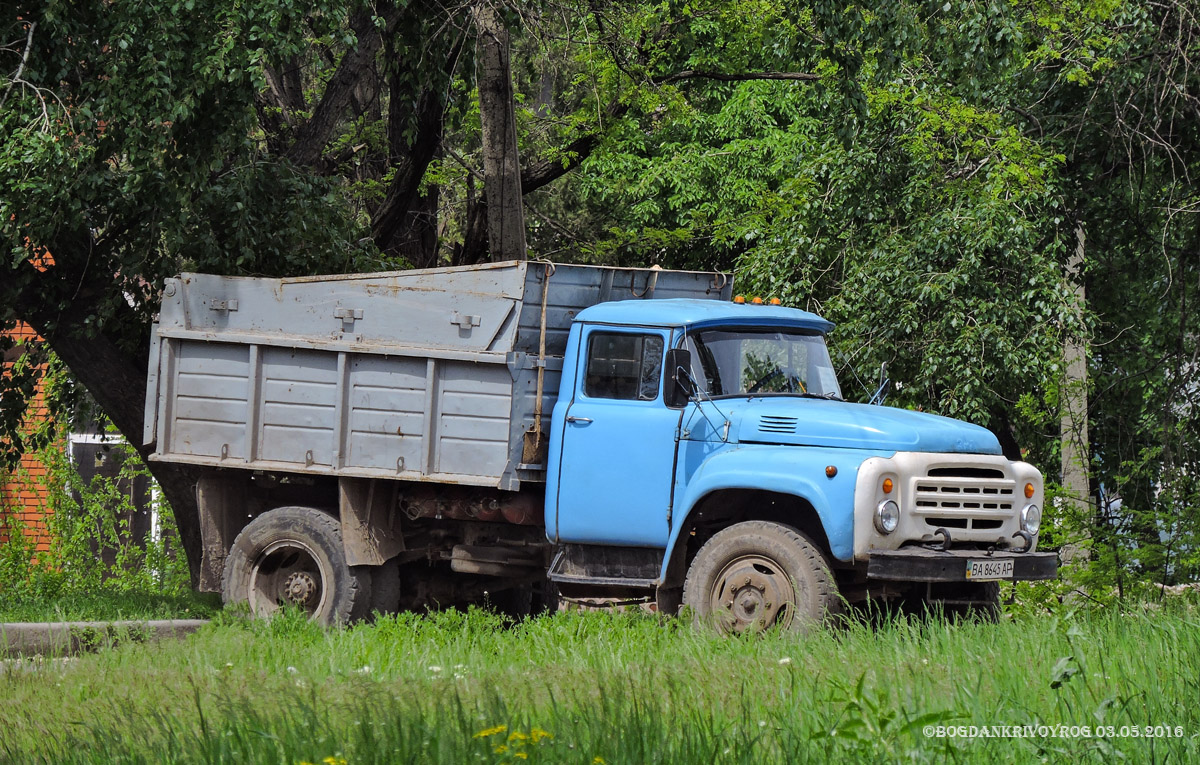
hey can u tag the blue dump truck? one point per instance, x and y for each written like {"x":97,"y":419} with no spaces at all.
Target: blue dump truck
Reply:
{"x":514,"y":432}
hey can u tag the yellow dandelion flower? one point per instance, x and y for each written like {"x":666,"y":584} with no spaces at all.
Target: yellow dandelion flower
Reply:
{"x":537,"y":734}
{"x":491,"y":731}
{"x":500,"y":749}
{"x":332,"y":760}
{"x":522,"y":755}
{"x":517,"y":735}
{"x":598,"y":761}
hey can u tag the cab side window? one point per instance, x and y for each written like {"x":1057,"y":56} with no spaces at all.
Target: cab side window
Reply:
{"x":624,"y":366}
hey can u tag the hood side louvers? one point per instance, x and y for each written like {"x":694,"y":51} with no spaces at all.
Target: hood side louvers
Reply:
{"x":775,"y":424}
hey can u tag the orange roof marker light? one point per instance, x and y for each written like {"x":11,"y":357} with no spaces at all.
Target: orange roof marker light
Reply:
{"x":776,"y":301}
{"x":756,"y":301}
{"x":739,"y":299}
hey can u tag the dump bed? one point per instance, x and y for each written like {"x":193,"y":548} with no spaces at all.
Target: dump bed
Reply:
{"x":428,"y":375}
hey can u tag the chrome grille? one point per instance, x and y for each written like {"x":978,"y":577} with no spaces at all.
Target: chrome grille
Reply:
{"x":965,"y":498}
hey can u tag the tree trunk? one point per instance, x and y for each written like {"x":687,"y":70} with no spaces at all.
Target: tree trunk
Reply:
{"x":405,"y":222}
{"x":1073,"y":425}
{"x":497,"y":116}
{"x":393,"y":221}
{"x":474,"y":242}
{"x":416,"y":240}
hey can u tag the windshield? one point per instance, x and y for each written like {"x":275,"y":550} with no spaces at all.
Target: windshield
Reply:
{"x":732,"y":362}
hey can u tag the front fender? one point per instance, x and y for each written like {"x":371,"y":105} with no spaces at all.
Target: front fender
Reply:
{"x":793,"y":470}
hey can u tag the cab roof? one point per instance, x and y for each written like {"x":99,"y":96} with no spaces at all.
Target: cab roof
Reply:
{"x":679,"y":312}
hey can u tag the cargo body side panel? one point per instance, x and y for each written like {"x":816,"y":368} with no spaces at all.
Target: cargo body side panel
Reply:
{"x":210,"y":383}
{"x":337,"y":413}
{"x":386,"y":413}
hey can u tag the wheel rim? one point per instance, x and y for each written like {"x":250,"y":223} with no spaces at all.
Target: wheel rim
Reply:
{"x":752,"y":592}
{"x":288,"y":572}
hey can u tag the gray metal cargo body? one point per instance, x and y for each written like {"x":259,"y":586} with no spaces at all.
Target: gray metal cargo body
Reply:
{"x":424,"y":375}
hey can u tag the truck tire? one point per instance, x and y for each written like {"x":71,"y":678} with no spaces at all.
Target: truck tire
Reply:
{"x":757,"y":575}
{"x":294,"y":555}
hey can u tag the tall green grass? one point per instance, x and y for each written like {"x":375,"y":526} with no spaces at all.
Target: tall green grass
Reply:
{"x":107,"y":605}
{"x":613,"y":688}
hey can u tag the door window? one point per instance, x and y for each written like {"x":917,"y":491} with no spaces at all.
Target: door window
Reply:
{"x":623,"y":366}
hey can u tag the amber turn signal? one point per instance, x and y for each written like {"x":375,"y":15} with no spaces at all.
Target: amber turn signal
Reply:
{"x":1028,"y":491}
{"x":888,"y":485}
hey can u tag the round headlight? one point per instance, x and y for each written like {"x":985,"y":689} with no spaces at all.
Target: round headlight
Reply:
{"x":1031,"y":518}
{"x":887,"y":516}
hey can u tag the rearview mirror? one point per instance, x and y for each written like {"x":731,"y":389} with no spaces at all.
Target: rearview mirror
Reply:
{"x":678,"y":389}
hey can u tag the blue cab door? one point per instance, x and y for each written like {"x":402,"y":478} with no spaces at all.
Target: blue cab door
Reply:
{"x":618,"y":443}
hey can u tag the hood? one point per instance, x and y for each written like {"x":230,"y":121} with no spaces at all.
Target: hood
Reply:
{"x":819,"y":422}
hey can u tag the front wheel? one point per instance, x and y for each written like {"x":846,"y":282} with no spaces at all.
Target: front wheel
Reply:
{"x":756,"y":575}
{"x":294,"y":556}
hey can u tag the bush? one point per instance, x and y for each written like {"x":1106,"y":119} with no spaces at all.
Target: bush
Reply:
{"x":91,"y":545}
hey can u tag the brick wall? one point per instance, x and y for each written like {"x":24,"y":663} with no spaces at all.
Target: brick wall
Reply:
{"x":21,"y":492}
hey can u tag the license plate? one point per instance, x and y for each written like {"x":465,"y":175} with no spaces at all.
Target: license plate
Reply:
{"x":983,"y":570}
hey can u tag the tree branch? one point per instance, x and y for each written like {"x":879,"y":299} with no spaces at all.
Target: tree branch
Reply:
{"x":692,"y":74}
{"x":315,"y":133}
{"x":545,"y":171}
{"x":21,"y":66}
{"x":411,"y":159}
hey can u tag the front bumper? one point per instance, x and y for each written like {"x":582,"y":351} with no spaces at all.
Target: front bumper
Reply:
{"x":976,"y":498}
{"x":920,"y":564}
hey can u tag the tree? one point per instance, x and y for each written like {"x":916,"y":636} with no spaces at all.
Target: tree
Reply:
{"x":262,"y":138}
{"x":926,"y":234}
{"x":128,"y":154}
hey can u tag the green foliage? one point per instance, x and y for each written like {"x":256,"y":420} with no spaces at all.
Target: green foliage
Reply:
{"x":927,"y":240}
{"x":37,"y":365}
{"x":91,"y":547}
{"x":137,"y":126}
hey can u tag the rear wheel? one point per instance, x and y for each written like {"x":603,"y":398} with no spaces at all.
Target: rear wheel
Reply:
{"x":756,"y":575}
{"x":294,"y":556}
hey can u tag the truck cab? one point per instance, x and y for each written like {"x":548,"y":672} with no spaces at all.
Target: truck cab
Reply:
{"x":704,"y":449}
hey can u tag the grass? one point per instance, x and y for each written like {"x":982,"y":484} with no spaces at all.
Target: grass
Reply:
{"x":108,"y":606}
{"x":613,"y":688}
